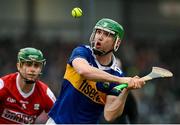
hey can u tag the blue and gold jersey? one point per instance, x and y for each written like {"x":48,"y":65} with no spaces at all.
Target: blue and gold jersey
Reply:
{"x":82,"y":100}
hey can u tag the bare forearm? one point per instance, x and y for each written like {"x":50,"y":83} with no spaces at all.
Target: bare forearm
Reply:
{"x":96,"y":74}
{"x":114,"y":107}
{"x":99,"y":75}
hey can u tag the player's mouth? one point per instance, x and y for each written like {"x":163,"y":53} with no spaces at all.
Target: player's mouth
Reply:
{"x":31,"y":75}
{"x":98,"y":45}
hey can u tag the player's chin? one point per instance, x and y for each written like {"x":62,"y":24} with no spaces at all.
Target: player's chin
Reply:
{"x":32,"y":78}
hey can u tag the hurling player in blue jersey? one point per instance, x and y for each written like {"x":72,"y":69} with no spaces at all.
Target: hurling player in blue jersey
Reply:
{"x":90,"y":78}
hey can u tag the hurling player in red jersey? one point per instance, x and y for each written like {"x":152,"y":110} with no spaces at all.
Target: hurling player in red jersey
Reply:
{"x":23,"y":97}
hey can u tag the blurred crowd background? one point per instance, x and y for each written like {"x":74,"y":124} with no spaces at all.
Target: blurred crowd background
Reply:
{"x":151,"y":39}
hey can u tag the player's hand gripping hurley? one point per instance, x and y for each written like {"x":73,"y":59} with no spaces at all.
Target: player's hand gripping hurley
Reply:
{"x":156,"y":72}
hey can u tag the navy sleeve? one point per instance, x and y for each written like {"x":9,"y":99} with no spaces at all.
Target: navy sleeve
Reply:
{"x":79,"y":51}
{"x":112,"y":90}
{"x":109,"y":88}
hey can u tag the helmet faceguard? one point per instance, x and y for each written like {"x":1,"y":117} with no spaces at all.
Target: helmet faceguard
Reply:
{"x":110,"y":26}
{"x":30,"y":55}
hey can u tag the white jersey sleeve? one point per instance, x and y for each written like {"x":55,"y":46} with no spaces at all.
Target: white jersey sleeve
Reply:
{"x":1,"y":84}
{"x":51,"y":95}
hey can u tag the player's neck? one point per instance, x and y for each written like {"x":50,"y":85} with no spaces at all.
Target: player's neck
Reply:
{"x":105,"y":60}
{"x":26,"y":88}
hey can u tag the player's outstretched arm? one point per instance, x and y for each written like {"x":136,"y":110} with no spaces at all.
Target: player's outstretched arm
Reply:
{"x":114,"y":105}
{"x":92,"y":73}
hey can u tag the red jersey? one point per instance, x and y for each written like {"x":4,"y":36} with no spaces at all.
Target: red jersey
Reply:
{"x":19,"y":107}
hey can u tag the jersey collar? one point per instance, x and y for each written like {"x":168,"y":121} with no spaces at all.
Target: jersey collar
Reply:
{"x":25,"y":95}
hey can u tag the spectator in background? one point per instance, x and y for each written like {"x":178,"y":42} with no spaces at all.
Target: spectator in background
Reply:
{"x":23,"y":96}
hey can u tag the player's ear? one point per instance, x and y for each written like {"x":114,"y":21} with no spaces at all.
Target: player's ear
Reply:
{"x":18,"y":66}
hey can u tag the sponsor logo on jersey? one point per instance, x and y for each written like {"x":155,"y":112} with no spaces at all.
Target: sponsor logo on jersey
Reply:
{"x":11,"y":100}
{"x":86,"y":87}
{"x":18,"y":117}
{"x":90,"y":91}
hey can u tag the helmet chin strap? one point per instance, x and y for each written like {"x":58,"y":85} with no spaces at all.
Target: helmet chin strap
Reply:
{"x":27,"y":81}
{"x":100,"y":52}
